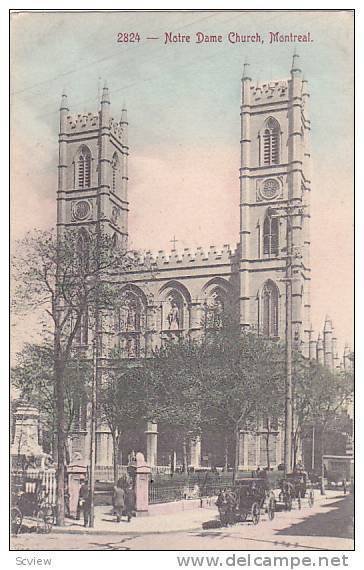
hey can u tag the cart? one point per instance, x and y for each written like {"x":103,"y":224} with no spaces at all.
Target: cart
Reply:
{"x":252,"y":498}
{"x":33,"y":505}
{"x":296,"y":487}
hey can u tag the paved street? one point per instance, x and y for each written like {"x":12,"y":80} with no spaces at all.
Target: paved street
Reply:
{"x":328,"y":525}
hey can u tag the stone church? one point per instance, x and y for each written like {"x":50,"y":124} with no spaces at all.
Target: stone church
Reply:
{"x":188,"y":286}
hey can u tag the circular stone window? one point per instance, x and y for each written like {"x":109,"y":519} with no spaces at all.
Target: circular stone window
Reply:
{"x":270,"y":189}
{"x":81,"y":210}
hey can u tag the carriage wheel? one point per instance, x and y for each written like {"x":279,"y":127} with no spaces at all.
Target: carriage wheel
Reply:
{"x":45,"y":519}
{"x":255,"y":513}
{"x":271,"y":509}
{"x":16,"y":518}
{"x":311,"y":498}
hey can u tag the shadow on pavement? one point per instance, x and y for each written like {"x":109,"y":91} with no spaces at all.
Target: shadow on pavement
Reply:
{"x":337,"y":523}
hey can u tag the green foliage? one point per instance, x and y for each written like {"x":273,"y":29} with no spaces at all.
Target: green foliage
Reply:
{"x":33,"y":377}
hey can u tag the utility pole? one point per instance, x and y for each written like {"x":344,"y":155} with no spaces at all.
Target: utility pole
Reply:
{"x":93,"y":433}
{"x":288,"y":381}
{"x":288,"y":212}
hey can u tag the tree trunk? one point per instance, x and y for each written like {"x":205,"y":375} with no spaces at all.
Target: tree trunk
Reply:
{"x":267,"y":439}
{"x":236,"y":458}
{"x":185,"y":460}
{"x":226,"y":452}
{"x":61,"y":439}
{"x":115,"y":450}
{"x":322,"y":451}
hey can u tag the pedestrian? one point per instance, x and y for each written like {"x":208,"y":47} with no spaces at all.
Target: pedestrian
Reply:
{"x":83,"y":501}
{"x":221,"y":504}
{"x":118,"y":501}
{"x":344,"y":486}
{"x":130,"y":500}
{"x":231,"y":506}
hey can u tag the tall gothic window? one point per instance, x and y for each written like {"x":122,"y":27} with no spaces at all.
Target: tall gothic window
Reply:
{"x":115,"y":171}
{"x":269,"y":302}
{"x":271,"y":142}
{"x":129,"y":325}
{"x":81,"y":336}
{"x":83,"y":173}
{"x":83,"y":250}
{"x":270,"y":236}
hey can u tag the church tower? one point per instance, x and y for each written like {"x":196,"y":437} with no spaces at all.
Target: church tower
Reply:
{"x":93,"y":171}
{"x":275,"y":184}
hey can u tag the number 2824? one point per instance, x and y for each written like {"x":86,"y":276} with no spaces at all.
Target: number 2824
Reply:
{"x":128,"y":37}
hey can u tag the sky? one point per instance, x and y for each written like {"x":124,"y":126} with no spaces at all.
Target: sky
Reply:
{"x":183,"y":104}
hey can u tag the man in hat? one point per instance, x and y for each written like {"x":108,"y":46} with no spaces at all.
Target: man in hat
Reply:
{"x":84,"y":503}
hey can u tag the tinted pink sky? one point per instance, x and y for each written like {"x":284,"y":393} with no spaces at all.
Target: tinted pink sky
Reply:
{"x":183,"y":107}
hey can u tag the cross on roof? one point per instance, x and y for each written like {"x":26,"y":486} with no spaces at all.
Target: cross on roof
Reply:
{"x":174,"y":241}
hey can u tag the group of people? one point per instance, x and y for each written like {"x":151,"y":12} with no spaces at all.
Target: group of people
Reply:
{"x":226,"y":503}
{"x":123,"y":501}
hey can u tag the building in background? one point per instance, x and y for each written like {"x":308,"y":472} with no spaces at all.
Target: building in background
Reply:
{"x":191,"y":289}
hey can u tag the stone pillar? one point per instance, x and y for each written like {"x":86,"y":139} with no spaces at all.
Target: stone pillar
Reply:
{"x":152,"y":441}
{"x":196,"y":319}
{"x":76,"y":475}
{"x":295,"y":167}
{"x":320,"y":350}
{"x":257,"y":444}
{"x":312,"y":345}
{"x":243,"y":450}
{"x":142,"y":474}
{"x":245,"y":199}
{"x":104,"y":455}
{"x":195,"y":452}
{"x":328,"y":343}
{"x":26,"y":431}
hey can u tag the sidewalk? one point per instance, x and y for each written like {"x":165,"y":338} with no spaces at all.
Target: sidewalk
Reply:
{"x":105,"y":522}
{"x":170,"y":517}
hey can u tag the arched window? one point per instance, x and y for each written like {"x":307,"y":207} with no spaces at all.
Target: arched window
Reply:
{"x":173,"y":311}
{"x":271,"y":142}
{"x":83,"y":250}
{"x":114,"y":240}
{"x":270,"y":236}
{"x":269,"y":303}
{"x":83,"y":168}
{"x":215,"y":308}
{"x":81,"y":336}
{"x":129,"y":324}
{"x":115,"y":172}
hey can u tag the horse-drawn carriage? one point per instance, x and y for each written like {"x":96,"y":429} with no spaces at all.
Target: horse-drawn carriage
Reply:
{"x":294,"y":488}
{"x":30,"y":500}
{"x":248,"y":499}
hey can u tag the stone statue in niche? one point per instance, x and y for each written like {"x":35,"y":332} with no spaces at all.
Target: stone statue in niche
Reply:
{"x":173,"y":317}
{"x":132,"y":315}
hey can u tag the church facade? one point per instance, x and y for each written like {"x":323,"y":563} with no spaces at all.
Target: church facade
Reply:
{"x":189,"y":288}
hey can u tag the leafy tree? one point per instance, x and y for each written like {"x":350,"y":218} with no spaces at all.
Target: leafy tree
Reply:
{"x":245,"y":383}
{"x":176,"y":378}
{"x":66,"y":276}
{"x":33,"y":377}
{"x":125,"y":400}
{"x":320,"y":396}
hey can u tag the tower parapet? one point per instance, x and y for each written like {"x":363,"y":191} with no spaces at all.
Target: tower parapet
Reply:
{"x":274,"y":161}
{"x":93,"y":170}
